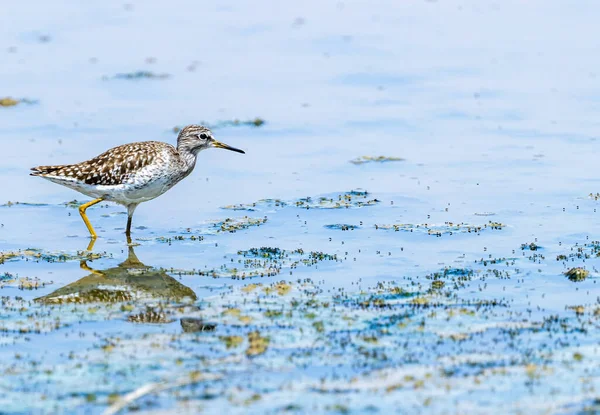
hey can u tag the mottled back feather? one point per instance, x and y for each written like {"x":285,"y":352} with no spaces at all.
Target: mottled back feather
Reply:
{"x":113,"y":167}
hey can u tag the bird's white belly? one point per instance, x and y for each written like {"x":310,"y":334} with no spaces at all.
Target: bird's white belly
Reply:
{"x":142,"y":187}
{"x":128,"y":194}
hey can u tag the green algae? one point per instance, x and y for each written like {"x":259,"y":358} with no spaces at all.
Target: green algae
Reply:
{"x":289,"y":322}
{"x":352,"y":199}
{"x":270,"y":203}
{"x":342,"y":227}
{"x":577,"y":274}
{"x":22,"y":283}
{"x":448,"y":228}
{"x":40,"y":255}
{"x":231,"y":225}
{"x":530,"y":246}
{"x":228,"y":225}
{"x":268,"y":262}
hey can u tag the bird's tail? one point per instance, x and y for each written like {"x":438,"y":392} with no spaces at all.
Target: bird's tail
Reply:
{"x":45,"y":170}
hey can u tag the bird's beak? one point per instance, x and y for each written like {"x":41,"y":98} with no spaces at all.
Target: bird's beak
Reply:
{"x":218,"y":144}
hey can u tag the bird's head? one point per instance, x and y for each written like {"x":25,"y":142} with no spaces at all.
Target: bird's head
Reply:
{"x":195,"y":138}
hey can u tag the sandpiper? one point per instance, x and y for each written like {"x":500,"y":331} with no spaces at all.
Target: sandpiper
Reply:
{"x":133,"y":173}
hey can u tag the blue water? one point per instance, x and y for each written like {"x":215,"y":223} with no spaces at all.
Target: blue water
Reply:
{"x":425,"y":303}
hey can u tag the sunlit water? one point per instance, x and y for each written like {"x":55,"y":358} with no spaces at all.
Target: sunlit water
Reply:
{"x":244,"y":296}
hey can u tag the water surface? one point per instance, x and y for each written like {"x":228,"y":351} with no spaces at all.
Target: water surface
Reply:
{"x":291,"y":280}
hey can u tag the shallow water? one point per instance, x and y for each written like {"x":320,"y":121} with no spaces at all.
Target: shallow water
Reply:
{"x":271,"y":282}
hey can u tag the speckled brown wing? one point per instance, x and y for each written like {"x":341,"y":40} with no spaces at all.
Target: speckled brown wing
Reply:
{"x":113,"y":167}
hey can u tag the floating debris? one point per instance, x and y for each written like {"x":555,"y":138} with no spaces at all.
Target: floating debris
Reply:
{"x":448,"y":228}
{"x":74,"y":204}
{"x":228,"y":225}
{"x":289,"y":326}
{"x":194,"y":325}
{"x":11,"y":102}
{"x":10,"y":204}
{"x":256,"y":122}
{"x":257,"y":344}
{"x":437,"y":284}
{"x":268,"y":262}
{"x":39,"y":255}
{"x":139,"y":75}
{"x":232,"y":342}
{"x":342,"y":227}
{"x":531,"y":247}
{"x":263,"y":203}
{"x":232,"y":225}
{"x":22,"y":283}
{"x":577,"y":274}
{"x":371,"y":159}
{"x":8,"y":102}
{"x":351,"y":199}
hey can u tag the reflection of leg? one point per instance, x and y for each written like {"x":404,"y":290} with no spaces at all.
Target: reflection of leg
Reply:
{"x":82,"y":209}
{"x":83,"y":263}
{"x":130,"y":210}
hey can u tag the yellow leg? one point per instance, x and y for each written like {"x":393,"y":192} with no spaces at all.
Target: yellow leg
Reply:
{"x":82,"y":209}
{"x":91,"y":244}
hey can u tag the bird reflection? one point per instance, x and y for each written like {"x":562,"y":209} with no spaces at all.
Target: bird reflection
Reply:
{"x":130,"y":280}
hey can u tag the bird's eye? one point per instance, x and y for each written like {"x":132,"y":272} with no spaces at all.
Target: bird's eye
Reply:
{"x":203,"y":136}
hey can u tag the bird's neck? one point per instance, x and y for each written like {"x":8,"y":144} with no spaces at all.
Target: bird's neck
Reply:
{"x":188,"y":158}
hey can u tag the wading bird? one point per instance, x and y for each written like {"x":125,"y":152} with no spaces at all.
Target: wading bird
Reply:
{"x":133,"y":173}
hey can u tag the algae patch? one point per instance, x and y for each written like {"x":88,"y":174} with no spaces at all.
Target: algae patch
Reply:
{"x":372,"y":159}
{"x":577,"y":274}
{"x":267,"y":262}
{"x":263,"y":203}
{"x":40,"y":255}
{"x":231,"y":225}
{"x":341,"y":227}
{"x":257,"y":344}
{"x":138,"y":75}
{"x":353,"y":199}
{"x":11,"y":102}
{"x":447,"y":228}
